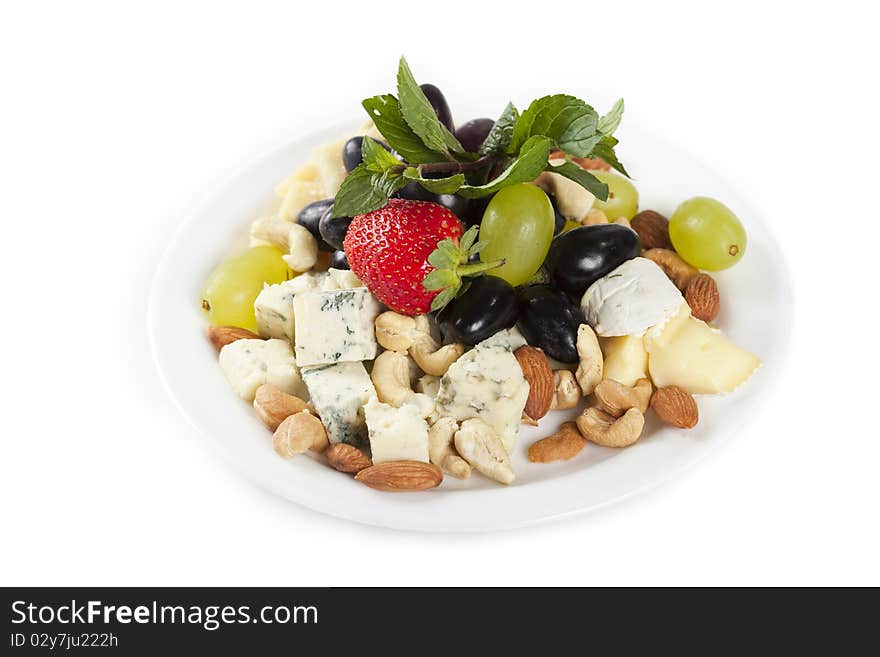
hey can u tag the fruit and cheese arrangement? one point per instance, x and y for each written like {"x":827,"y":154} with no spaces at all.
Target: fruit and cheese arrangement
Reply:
{"x":423,"y":289}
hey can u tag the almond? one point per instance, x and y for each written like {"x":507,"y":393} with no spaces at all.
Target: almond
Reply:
{"x":347,"y":458}
{"x":561,"y":446}
{"x":676,"y":407}
{"x":401,"y":476}
{"x":582,"y":162}
{"x":274,"y":406}
{"x":702,"y":296}
{"x":536,"y":370}
{"x":220,"y":336}
{"x":653,"y":229}
{"x":678,"y":271}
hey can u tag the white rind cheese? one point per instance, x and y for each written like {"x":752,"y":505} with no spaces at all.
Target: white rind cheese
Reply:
{"x":631,"y":299}
{"x":338,"y":394}
{"x":248,"y":364}
{"x":486,"y":382}
{"x":334,"y":326}
{"x":396,"y":434}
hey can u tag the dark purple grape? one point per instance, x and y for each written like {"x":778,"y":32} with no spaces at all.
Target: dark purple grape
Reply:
{"x":333,"y":229}
{"x":489,"y":305}
{"x":338,"y":260}
{"x":557,"y":217}
{"x":476,"y":208}
{"x":547,"y":319}
{"x":353,"y":152}
{"x":438,"y":102}
{"x":472,"y":134}
{"x":310,"y":217}
{"x":581,"y":256}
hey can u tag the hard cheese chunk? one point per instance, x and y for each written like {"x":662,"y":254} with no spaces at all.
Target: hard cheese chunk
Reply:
{"x":626,"y":360}
{"x":688,"y":353}
{"x":248,"y":364}
{"x":334,"y":326}
{"x":338,"y":394}
{"x":396,"y":434}
{"x":486,"y":382}
{"x":631,"y":299}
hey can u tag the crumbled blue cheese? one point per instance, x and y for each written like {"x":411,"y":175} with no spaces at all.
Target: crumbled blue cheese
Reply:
{"x":396,"y":434}
{"x":486,"y":382}
{"x":248,"y":364}
{"x":334,"y":326}
{"x":338,"y":393}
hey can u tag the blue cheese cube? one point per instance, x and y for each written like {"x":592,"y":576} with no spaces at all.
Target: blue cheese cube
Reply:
{"x":397,"y":434}
{"x":338,"y":393}
{"x":273,"y":307}
{"x":334,"y":326}
{"x":486,"y":383}
{"x":248,"y":364}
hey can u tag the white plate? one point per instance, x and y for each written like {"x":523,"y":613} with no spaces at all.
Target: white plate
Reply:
{"x":756,"y":313}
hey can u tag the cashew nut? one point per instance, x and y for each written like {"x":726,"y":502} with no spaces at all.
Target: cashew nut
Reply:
{"x":298,"y":433}
{"x":441,"y":451}
{"x":428,"y":354}
{"x":401,"y":333}
{"x":300,"y":244}
{"x":623,"y":221}
{"x":594,"y":218}
{"x":480,"y":446}
{"x":589,"y":370}
{"x":572,"y":200}
{"x":391,"y":377}
{"x":566,"y":393}
{"x":616,"y":398}
{"x":603,"y":429}
{"x":395,"y":331}
{"x":678,"y":271}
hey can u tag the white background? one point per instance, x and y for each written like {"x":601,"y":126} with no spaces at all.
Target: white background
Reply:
{"x":116,"y":117}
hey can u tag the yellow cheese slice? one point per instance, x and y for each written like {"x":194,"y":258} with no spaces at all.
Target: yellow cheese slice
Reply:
{"x":626,"y":360}
{"x":331,"y":169}
{"x":688,"y":353}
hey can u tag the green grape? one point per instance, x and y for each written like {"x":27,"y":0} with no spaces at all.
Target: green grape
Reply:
{"x":707,"y":234}
{"x":623,"y":197}
{"x":518,"y":226}
{"x":229,"y":293}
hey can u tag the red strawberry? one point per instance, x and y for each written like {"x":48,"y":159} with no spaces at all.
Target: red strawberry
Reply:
{"x":388,"y":250}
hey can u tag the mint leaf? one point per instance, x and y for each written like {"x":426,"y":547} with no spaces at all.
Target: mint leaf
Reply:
{"x":604,"y":150}
{"x":376,"y":158}
{"x":384,"y":110}
{"x":568,"y":121}
{"x":530,"y":162}
{"x":584,"y":178}
{"x":420,"y":115}
{"x":608,"y":123}
{"x":364,"y":191}
{"x":500,"y":135}
{"x":448,"y":185}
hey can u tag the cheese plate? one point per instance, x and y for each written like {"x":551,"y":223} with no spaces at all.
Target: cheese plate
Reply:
{"x":756,"y":314}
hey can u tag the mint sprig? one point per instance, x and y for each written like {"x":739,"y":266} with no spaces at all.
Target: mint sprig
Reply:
{"x":516,"y":150}
{"x":451,"y":267}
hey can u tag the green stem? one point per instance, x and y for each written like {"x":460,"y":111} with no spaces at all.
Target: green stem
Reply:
{"x":478,"y":267}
